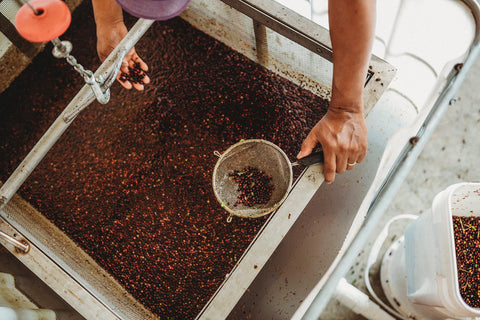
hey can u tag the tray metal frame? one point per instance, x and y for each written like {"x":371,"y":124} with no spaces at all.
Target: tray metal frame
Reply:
{"x":72,"y":273}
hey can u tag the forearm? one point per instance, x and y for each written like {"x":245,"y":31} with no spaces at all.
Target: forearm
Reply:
{"x":352,"y":25}
{"x":107,"y":12}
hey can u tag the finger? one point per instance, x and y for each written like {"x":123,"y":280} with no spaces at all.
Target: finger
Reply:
{"x":138,"y":86}
{"x":362,"y":155}
{"x":126,"y":84}
{"x":351,"y":163}
{"x":124,"y":66}
{"x":329,"y":166}
{"x":130,"y":55}
{"x":146,"y":80}
{"x":341,"y":162}
{"x":136,"y":59}
{"x":142,"y":64}
{"x":356,"y":156}
{"x":128,"y":61}
{"x":307,"y":146}
{"x":352,"y":159}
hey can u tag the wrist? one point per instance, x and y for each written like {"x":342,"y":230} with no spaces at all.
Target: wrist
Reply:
{"x":105,"y":27}
{"x":349,"y":100}
{"x":352,"y":106}
{"x":108,"y":22}
{"x":107,"y":12}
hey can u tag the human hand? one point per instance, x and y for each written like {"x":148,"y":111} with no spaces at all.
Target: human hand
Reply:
{"x":343,"y":136}
{"x":108,"y":37}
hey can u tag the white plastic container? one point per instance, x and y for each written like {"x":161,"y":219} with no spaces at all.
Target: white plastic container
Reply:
{"x":430,"y":260}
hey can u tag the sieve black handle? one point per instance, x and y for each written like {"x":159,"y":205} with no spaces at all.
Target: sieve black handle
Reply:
{"x":313,"y":158}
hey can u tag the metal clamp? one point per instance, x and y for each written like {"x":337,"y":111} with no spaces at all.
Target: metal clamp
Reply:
{"x":102,"y":97}
{"x":22,"y":246}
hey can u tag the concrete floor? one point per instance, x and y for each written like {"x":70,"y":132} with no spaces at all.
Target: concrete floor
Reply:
{"x":450,"y":156}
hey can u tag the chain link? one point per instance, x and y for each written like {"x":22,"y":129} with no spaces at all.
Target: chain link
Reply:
{"x":86,"y":74}
{"x":62,"y":49}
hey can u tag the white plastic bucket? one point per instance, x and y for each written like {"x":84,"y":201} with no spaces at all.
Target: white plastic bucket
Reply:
{"x":430,"y":260}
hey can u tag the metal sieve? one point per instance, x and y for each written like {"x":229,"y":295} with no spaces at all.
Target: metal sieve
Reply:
{"x":266,"y":157}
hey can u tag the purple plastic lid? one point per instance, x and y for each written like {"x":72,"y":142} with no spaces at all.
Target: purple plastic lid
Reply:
{"x":154,"y":9}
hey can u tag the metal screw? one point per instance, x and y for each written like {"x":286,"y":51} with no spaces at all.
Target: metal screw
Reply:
{"x":413,"y":140}
{"x":452,"y":101}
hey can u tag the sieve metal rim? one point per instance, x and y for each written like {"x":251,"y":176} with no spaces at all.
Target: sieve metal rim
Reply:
{"x":229,"y":150}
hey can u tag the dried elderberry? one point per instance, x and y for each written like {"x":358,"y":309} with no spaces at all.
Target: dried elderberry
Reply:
{"x":134,"y":75}
{"x":254,"y":185}
{"x":467,"y":247}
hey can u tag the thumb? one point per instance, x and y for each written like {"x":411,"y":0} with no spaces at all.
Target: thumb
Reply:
{"x":307,"y":147}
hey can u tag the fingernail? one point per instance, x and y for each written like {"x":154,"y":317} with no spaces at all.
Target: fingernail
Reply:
{"x":298,"y":155}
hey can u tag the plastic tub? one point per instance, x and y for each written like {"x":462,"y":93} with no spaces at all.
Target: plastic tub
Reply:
{"x":430,"y":261}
